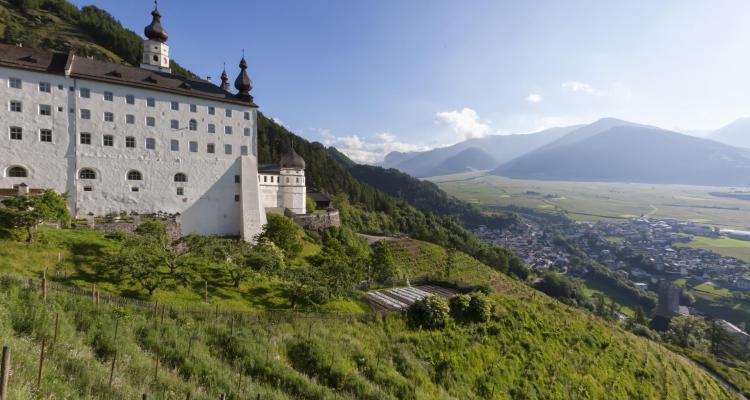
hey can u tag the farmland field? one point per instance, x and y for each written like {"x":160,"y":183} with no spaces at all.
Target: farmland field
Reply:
{"x":591,"y":201}
{"x":725,"y":246}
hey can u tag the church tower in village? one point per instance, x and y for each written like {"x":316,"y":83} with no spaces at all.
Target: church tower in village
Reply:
{"x":155,"y":49}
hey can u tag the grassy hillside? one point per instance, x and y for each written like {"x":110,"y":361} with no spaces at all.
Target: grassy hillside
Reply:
{"x":533,"y":348}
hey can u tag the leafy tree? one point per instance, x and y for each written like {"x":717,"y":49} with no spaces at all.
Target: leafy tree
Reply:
{"x":431,"y":312}
{"x":306,"y":286}
{"x":140,"y":261}
{"x":343,"y":261}
{"x":562,"y":288}
{"x":383,"y":263}
{"x":459,"y":306}
{"x":639,"y":316}
{"x":284,"y":233}
{"x":310,"y":204}
{"x":475,"y":307}
{"x":686,"y":297}
{"x":721,"y":342}
{"x":29,"y":211}
{"x":231,"y":254}
{"x":173,"y":253}
{"x":266,"y":258}
{"x":687,"y":332}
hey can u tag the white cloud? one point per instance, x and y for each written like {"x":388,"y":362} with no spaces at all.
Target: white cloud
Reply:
{"x":534,"y":98}
{"x":385,"y":136}
{"x":583,"y":87}
{"x":466,"y":123}
{"x":366,"y":151}
{"x":279,"y":121}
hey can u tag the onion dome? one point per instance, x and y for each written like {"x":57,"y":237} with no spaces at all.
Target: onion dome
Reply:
{"x":155,"y":31}
{"x":243,"y":84}
{"x":224,"y":79}
{"x":292,"y":160}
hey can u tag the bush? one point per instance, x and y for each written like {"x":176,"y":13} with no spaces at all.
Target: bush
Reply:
{"x":471,"y":308}
{"x":431,"y":312}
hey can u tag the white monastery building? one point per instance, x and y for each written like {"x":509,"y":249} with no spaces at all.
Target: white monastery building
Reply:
{"x":122,"y":139}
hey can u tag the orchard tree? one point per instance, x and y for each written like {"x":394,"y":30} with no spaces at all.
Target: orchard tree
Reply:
{"x":27,"y":212}
{"x":382,"y":263}
{"x":284,"y":233}
{"x":140,"y":261}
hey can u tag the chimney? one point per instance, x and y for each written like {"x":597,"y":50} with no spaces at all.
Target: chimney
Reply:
{"x":208,"y":78}
{"x":23,"y":189}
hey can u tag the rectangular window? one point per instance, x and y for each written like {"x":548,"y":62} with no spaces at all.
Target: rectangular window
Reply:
{"x":193,"y":147}
{"x":210,"y":148}
{"x":193,"y":108}
{"x":45,"y":135}
{"x":150,"y":143}
{"x":236,"y":179}
{"x":174,"y":145}
{"x":175,"y":106}
{"x":85,"y":93}
{"x":228,"y":130}
{"x":243,"y":150}
{"x":174,"y":124}
{"x":15,"y":83}
{"x":109,"y":117}
{"x":150,"y":102}
{"x":247,"y":116}
{"x":108,"y":96}
{"x":16,"y":106}
{"x":130,"y":119}
{"x":150,"y":121}
{"x":228,"y":113}
{"x":45,"y":87}
{"x":85,"y":114}
{"x":85,"y":138}
{"x":88,"y":189}
{"x":108,"y":140}
{"x":45,"y":109}
{"x":16,"y":133}
{"x":247,"y":131}
{"x":130,"y":142}
{"x":180,"y":191}
{"x":211,"y":111}
{"x":130,"y":99}
{"x":228,"y":149}
{"x":211,"y":128}
{"x":134,"y":189}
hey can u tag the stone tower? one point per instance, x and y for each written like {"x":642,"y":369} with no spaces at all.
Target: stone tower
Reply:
{"x":155,"y":49}
{"x":292,"y":185}
{"x":669,"y":300}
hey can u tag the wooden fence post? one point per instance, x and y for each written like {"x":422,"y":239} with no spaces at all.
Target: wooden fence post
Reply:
{"x":41,"y":363}
{"x":156,"y":368}
{"x":57,"y":322}
{"x":44,"y":285}
{"x":205,"y":292}
{"x":112,"y":370}
{"x":5,"y":372}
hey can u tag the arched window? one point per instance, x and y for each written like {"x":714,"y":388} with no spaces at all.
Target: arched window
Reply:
{"x":135,"y":176}
{"x":87,"y":173}
{"x":193,"y":125}
{"x":17,"y":172}
{"x":180,"y":177}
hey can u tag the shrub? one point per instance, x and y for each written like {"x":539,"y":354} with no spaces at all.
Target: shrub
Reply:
{"x":480,"y":308}
{"x":459,"y":306}
{"x":431,"y":312}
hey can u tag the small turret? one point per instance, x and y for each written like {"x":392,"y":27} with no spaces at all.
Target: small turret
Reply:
{"x":155,"y":49}
{"x":224,"y":79}
{"x":292,"y":160}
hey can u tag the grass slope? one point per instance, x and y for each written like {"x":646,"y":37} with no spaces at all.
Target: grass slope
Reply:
{"x":535,"y":348}
{"x":82,"y":251}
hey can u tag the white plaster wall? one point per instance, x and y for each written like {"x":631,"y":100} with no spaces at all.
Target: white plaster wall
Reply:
{"x":212,"y":201}
{"x":47,"y":164}
{"x":161,"y":50}
{"x":293,"y":190}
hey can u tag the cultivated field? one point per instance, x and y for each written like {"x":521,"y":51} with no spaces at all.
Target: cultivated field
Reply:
{"x":587,"y":201}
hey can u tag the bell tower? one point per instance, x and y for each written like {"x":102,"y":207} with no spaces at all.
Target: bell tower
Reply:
{"x":155,"y":49}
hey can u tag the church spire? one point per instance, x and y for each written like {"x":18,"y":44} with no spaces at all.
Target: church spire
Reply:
{"x":224,"y":78}
{"x":154,"y":31}
{"x":243,"y":84}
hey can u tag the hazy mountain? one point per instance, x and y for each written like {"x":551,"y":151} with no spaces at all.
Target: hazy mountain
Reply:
{"x":735,"y":134}
{"x":606,"y":151}
{"x":502,"y":148}
{"x":471,"y":159}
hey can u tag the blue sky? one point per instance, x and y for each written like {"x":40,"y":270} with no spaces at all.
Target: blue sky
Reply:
{"x":371,"y":76}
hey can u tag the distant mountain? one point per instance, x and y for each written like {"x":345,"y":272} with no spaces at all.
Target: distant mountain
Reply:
{"x":471,"y":159}
{"x":613,"y":150}
{"x":735,"y":134}
{"x":502,"y":148}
